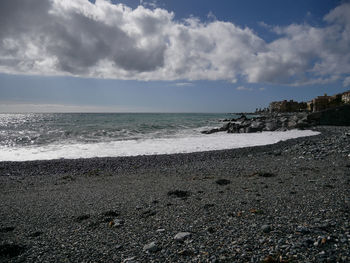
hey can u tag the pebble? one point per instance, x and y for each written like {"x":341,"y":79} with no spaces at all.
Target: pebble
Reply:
{"x":116,"y":223}
{"x":303,"y":230}
{"x":230,"y":231}
{"x":151,"y":247}
{"x":182,"y":236}
{"x":266,"y":228}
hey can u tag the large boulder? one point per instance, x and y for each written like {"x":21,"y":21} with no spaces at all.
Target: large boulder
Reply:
{"x":233,"y":127}
{"x":271,"y":126}
{"x":292,"y":124}
{"x":210,"y":131}
{"x":242,"y":118}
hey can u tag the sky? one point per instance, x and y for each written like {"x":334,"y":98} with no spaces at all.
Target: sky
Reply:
{"x":170,"y":56}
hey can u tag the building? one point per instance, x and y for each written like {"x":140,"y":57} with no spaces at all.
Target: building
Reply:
{"x":320,"y":103}
{"x":287,"y":106}
{"x":309,"y":106}
{"x":345,"y":97}
{"x":326,"y":102}
{"x":317,"y":104}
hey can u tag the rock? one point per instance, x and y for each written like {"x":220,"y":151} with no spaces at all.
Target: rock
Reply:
{"x":225,"y":127}
{"x":270,"y":259}
{"x":10,"y":250}
{"x":258,"y":125}
{"x":179,"y":194}
{"x":223,"y":182}
{"x":82,"y":218}
{"x":233,"y":127}
{"x":242,"y":118}
{"x":186,"y":253}
{"x":211,"y":230}
{"x":207,"y":206}
{"x":7,"y":229}
{"x":148,"y":213}
{"x":242,"y":130}
{"x":118,"y":246}
{"x":271,"y":126}
{"x":263,"y":174}
{"x":130,"y":260}
{"x":116,"y":223}
{"x":35,"y":234}
{"x":303,"y":230}
{"x":210,"y":131}
{"x":266,"y":228}
{"x":181,"y":236}
{"x":151,"y":247}
{"x":110,"y":213}
{"x":292,"y":124}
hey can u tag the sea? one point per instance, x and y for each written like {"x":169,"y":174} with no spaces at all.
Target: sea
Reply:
{"x":46,"y":136}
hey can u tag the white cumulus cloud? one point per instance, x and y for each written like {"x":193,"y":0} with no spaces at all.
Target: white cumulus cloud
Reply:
{"x":106,"y":40}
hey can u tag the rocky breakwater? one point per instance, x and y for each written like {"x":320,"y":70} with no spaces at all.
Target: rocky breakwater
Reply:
{"x":267,"y":122}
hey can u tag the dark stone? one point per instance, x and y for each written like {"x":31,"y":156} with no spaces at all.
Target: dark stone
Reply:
{"x":179,"y":194}
{"x":36,"y":234}
{"x":242,"y":118}
{"x":223,"y":182}
{"x":211,"y":230}
{"x":264,"y":174}
{"x":186,"y":253}
{"x":7,"y":229}
{"x":250,"y":130}
{"x":266,"y":228}
{"x":82,"y":218}
{"x":210,"y":131}
{"x":11,"y":250}
{"x":225,"y":127}
{"x":207,"y":206}
{"x":110,"y":213}
{"x":233,"y":127}
{"x":148,"y":213}
{"x":303,"y":230}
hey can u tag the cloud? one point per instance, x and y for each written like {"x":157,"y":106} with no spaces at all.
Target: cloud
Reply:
{"x":346,"y":82}
{"x":183,"y":84}
{"x":106,"y":40}
{"x":242,"y":88}
{"x":152,"y":4}
{"x":211,"y":16}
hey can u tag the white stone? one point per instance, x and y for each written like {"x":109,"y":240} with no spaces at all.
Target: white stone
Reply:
{"x":182,"y":235}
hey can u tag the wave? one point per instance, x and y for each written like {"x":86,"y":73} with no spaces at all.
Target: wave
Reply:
{"x":187,"y":144}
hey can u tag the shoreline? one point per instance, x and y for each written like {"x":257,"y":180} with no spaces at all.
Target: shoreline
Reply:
{"x":181,"y":154}
{"x":151,"y":146}
{"x":286,"y":201}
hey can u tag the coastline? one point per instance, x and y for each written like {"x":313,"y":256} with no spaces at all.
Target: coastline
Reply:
{"x":288,"y":200}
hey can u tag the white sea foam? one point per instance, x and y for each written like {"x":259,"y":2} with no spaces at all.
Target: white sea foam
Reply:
{"x":217,"y":141}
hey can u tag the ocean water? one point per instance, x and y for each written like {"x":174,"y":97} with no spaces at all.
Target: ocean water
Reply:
{"x":43,"y":136}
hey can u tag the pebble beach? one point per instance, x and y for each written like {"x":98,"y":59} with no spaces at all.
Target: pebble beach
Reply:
{"x":285,"y":202}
